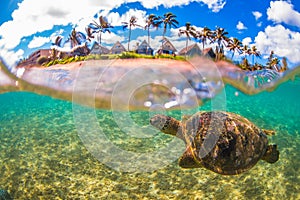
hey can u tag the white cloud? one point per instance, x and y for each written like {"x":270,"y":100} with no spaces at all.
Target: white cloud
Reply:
{"x":257,"y":14}
{"x":38,"y":42}
{"x":241,"y":26}
{"x":34,"y":16}
{"x":283,"y":11}
{"x":284,"y":42}
{"x":259,"y":24}
{"x":116,"y":20}
{"x":10,"y":57}
{"x":247,"y":41}
{"x":111,"y":38}
{"x":214,"y":5}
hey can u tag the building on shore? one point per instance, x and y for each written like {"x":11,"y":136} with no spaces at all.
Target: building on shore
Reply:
{"x":209,"y":53}
{"x":144,"y":48}
{"x":35,"y":56}
{"x":191,"y":50}
{"x":118,"y":48}
{"x":99,"y":49}
{"x":167,"y":48}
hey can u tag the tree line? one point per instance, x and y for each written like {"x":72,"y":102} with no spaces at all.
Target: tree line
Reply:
{"x":205,"y":37}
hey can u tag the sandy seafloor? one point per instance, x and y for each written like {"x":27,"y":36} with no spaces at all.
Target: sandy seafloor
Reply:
{"x":42,"y":156}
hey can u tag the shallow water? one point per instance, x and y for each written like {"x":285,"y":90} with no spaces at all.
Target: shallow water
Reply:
{"x":55,"y":149}
{"x":43,"y":156}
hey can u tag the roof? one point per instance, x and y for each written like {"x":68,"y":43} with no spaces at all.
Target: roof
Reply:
{"x":209,"y":52}
{"x":192,"y":49}
{"x":167,"y":45}
{"x":118,"y":47}
{"x":99,"y":49}
{"x":144,"y":45}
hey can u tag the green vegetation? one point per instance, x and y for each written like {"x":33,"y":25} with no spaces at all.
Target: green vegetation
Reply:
{"x":124,"y":55}
{"x":65,"y":60}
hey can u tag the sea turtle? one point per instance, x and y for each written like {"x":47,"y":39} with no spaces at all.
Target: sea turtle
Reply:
{"x":223,"y":142}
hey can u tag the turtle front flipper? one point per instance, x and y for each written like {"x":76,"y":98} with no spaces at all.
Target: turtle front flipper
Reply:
{"x":166,"y":124}
{"x":187,"y":160}
{"x":272,"y":154}
{"x":268,"y":132}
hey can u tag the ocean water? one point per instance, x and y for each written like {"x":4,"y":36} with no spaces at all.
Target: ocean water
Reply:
{"x":43,"y":155}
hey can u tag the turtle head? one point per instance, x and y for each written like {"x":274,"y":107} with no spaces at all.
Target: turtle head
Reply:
{"x":166,"y":124}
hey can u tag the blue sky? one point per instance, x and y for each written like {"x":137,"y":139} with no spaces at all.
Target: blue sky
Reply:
{"x":28,"y":25}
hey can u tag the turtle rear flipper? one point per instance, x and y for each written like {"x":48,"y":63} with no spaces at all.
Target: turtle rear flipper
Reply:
{"x":272,"y":154}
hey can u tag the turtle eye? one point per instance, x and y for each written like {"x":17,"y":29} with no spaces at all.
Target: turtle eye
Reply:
{"x":165,"y":124}
{"x":159,"y":122}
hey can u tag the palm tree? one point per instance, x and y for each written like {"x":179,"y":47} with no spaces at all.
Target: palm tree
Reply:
{"x":245,"y":51}
{"x":270,"y":58}
{"x":98,"y":28}
{"x":234,"y":45}
{"x":275,"y":63}
{"x":151,"y":21}
{"x":169,"y":20}
{"x":284,"y":64}
{"x":219,"y":36}
{"x":189,"y":31}
{"x":56,"y":43}
{"x":205,"y":35}
{"x":245,"y":64}
{"x":132,"y":23}
{"x":76,"y":38}
{"x":254,"y":53}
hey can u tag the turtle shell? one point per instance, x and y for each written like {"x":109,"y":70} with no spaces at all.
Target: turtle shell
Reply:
{"x":223,"y":142}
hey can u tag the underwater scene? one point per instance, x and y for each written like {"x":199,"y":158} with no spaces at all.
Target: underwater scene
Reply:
{"x":44,"y":155}
{"x":150,"y":100}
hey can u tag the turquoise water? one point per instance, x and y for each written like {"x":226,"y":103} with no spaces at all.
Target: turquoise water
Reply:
{"x":43,"y":157}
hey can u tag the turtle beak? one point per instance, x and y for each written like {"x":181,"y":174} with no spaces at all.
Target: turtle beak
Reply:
{"x":156,"y":121}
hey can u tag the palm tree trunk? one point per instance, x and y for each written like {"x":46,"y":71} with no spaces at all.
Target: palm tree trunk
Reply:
{"x":148,"y":36}
{"x":162,"y":42}
{"x":129,"y":37}
{"x":100,"y":36}
{"x":148,"y":39}
{"x":100,"y":41}
{"x":186,"y":46}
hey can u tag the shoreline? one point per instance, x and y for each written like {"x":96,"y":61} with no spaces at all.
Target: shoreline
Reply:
{"x":199,"y":63}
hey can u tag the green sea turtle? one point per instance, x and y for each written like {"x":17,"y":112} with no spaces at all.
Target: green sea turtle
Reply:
{"x":223,"y":142}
